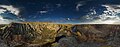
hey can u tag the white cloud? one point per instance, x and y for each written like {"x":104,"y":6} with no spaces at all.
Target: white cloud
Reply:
{"x":43,"y":12}
{"x":68,"y":19}
{"x":109,"y":16}
{"x":4,"y":21}
{"x":77,"y":6}
{"x":2,"y":11}
{"x":58,"y":5}
{"x":113,"y":8}
{"x":10,"y":8}
{"x":1,"y":18}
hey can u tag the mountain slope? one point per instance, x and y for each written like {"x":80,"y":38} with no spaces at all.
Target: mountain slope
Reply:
{"x":37,"y":34}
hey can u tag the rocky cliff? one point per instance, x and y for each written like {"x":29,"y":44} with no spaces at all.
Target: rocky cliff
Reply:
{"x":36,"y":34}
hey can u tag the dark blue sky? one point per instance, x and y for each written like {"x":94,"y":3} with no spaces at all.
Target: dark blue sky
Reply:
{"x":57,"y":10}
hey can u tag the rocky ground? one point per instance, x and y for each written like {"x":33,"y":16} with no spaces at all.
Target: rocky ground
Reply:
{"x":36,"y":34}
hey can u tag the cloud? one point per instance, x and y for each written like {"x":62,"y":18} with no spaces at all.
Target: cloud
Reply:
{"x":2,"y":10}
{"x":77,"y":6}
{"x":9,"y":14}
{"x":114,"y":8}
{"x":109,"y":16}
{"x":10,"y":8}
{"x":43,"y":12}
{"x":58,"y":5}
{"x":5,"y":21}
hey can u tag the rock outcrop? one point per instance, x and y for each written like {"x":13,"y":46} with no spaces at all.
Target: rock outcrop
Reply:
{"x":33,"y":34}
{"x":36,"y":34}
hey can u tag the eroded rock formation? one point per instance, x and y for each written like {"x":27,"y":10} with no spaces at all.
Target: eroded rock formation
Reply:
{"x":35,"y":34}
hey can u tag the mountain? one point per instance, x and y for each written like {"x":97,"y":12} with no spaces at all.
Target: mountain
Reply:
{"x":41,"y":34}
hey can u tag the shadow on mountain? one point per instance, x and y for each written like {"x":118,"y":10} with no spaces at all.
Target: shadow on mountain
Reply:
{"x":36,"y":34}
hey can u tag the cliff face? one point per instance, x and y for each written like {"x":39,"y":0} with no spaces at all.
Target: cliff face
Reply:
{"x":35,"y":34}
{"x":39,"y":34}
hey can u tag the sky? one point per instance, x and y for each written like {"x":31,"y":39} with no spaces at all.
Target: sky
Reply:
{"x":60,"y":11}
